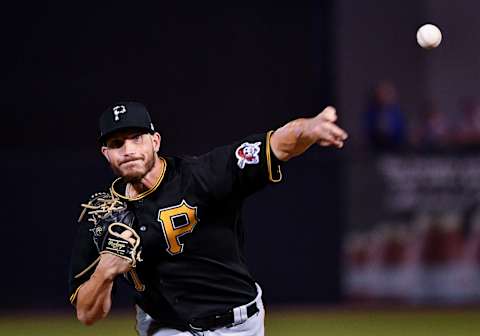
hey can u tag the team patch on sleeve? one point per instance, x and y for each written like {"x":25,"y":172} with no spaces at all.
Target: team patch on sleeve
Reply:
{"x":247,"y":153}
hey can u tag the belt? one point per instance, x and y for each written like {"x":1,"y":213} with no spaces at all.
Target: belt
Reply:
{"x":232,"y":317}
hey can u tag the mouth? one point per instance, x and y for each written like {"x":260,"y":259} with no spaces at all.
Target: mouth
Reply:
{"x":129,"y":161}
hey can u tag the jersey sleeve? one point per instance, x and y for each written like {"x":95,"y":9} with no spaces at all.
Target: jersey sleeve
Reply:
{"x":83,"y":260}
{"x":238,"y":169}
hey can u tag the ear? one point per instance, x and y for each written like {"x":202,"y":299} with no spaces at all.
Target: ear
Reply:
{"x":157,"y":140}
{"x":105,"y":153}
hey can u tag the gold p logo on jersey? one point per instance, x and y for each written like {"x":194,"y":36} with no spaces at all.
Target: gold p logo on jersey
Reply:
{"x":177,"y":221}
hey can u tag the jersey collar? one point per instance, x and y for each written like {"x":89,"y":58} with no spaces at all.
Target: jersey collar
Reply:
{"x":146,"y":192}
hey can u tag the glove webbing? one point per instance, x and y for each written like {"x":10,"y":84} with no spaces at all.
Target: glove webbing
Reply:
{"x":101,"y":206}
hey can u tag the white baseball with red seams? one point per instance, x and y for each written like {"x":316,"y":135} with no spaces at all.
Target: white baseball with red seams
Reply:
{"x":429,"y":36}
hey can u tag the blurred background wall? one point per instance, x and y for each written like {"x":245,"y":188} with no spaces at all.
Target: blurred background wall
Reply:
{"x":412,"y":229}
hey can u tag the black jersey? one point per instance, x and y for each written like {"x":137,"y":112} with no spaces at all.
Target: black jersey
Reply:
{"x":191,"y":231}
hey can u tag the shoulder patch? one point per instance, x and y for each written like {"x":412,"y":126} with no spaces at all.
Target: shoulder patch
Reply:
{"x":247,"y":153}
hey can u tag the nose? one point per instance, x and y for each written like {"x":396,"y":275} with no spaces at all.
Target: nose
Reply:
{"x":128,"y":147}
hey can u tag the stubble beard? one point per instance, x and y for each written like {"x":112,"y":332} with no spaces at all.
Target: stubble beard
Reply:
{"x":135,"y":176}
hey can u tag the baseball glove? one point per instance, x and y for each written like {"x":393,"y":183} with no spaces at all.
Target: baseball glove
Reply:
{"x":111,"y":218}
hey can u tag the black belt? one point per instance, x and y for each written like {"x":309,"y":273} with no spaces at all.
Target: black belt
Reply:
{"x":221,"y":320}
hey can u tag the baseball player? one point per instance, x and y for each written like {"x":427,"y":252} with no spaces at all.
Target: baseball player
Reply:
{"x":191,"y":276}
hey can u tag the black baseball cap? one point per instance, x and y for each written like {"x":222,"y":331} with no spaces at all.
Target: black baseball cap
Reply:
{"x":124,"y":115}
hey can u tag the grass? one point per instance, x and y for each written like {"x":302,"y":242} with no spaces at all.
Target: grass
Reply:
{"x":278,"y":323}
{"x":375,"y":323}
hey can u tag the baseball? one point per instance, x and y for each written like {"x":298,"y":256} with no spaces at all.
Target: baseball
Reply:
{"x":429,"y":36}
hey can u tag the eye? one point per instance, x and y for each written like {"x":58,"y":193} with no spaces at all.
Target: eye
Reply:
{"x":137,"y":138}
{"x":115,"y":143}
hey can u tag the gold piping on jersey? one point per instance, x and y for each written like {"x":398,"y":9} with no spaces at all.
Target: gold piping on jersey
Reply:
{"x":139,"y":286}
{"x":74,"y":295}
{"x":269,"y":161}
{"x":146,"y":192}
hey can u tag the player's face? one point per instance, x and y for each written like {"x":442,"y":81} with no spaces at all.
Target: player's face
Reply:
{"x":131,"y":154}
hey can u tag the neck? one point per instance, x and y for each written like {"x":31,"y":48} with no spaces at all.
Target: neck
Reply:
{"x":149,"y":180}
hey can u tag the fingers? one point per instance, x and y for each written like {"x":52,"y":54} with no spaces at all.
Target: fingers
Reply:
{"x":327,"y":132}
{"x":324,"y":143}
{"x":336,"y":132}
{"x":329,"y":114}
{"x":331,"y":142}
{"x":336,"y":143}
{"x":127,"y":235}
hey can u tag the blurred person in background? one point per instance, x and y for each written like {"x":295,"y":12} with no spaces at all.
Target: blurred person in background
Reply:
{"x":432,"y":131}
{"x":467,"y":131}
{"x":385,"y":120}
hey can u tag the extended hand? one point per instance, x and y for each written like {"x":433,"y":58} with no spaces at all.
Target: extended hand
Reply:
{"x":324,"y":130}
{"x":298,"y":135}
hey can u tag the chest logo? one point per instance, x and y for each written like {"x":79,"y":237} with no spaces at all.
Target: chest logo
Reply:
{"x":177,"y":221}
{"x":247,"y":153}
